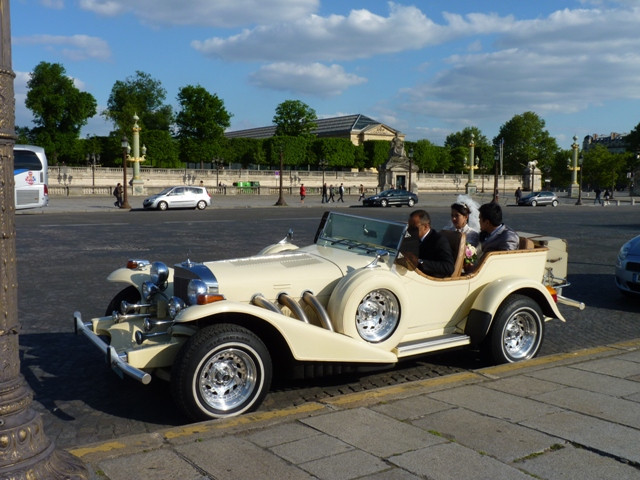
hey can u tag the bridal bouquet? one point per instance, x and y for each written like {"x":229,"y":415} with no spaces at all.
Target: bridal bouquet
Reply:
{"x":470,"y":254}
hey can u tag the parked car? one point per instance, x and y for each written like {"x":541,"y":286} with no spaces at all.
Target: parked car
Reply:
{"x":628,"y":268}
{"x":387,"y":198}
{"x":179,"y":197}
{"x":539,"y":198}
{"x":219,"y":330}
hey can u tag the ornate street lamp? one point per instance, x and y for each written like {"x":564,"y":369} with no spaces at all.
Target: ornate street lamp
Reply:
{"x":281,"y":202}
{"x":322,"y":163}
{"x":217,"y":162}
{"x":125,"y":156}
{"x":93,"y":159}
{"x":580,"y":162}
{"x":471,"y":186}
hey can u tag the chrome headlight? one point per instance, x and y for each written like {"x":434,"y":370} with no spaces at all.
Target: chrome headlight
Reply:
{"x":148,"y":290}
{"x":174,"y":306}
{"x":159,"y":274}
{"x":196,"y":287}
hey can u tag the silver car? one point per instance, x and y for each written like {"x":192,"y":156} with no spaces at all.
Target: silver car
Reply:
{"x":179,"y":197}
{"x":540,"y":198}
{"x":628,"y":268}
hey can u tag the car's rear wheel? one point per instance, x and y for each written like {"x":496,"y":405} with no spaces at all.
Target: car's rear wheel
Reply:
{"x":384,"y":203}
{"x":222,"y":371}
{"x":533,"y":203}
{"x":517,"y":330}
{"x":554,"y":203}
{"x":162,"y":206}
{"x":411,"y":202}
{"x":201,"y":205}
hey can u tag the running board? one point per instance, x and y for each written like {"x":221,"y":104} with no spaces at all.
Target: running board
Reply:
{"x":432,"y":345}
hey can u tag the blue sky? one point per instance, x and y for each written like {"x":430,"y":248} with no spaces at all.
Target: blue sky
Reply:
{"x":427,"y":68}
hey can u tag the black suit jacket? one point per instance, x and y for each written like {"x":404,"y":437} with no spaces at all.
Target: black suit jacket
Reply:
{"x":435,"y":253}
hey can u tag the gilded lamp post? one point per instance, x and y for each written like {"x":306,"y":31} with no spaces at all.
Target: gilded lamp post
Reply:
{"x":574,"y":189}
{"x":25,"y":451}
{"x":137,"y":182}
{"x":471,"y":186}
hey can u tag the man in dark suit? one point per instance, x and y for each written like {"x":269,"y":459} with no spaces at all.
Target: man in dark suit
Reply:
{"x":434,"y":252}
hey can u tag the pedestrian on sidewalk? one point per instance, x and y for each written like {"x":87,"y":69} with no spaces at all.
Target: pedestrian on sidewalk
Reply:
{"x":361,"y":192}
{"x":325,"y":199}
{"x":341,"y":192}
{"x":303,"y":192}
{"x":118,"y":192}
{"x":518,"y":195}
{"x":330,"y":199}
{"x":597,"y":199}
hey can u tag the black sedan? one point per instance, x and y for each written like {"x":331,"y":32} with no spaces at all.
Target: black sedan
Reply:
{"x":391,"y":197}
{"x":539,"y":198}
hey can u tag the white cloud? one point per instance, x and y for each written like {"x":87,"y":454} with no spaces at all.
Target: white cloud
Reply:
{"x":314,"y":79}
{"x":75,"y":47}
{"x":361,"y":34}
{"x":217,"y":13}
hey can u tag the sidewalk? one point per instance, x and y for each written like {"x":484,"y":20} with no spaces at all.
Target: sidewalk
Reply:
{"x":569,"y":416}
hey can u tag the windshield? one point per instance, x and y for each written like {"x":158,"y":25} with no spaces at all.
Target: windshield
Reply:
{"x":367,"y":234}
{"x":165,"y":191}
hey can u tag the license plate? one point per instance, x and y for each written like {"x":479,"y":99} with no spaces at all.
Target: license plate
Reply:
{"x":635,"y":277}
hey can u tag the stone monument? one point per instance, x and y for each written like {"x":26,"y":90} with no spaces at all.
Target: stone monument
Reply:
{"x":396,"y":172}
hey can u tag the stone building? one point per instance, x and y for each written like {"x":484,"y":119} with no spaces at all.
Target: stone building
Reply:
{"x":358,"y":128}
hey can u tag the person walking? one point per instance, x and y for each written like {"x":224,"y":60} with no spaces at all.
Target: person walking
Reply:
{"x":331,"y":199}
{"x":325,"y":199}
{"x":341,"y":193}
{"x":118,"y":192}
{"x":361,"y":192}
{"x":597,"y":199}
{"x":303,"y":192}
{"x":518,"y":195}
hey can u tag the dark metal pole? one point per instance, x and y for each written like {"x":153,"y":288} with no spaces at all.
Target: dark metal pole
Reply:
{"x":125,"y":197}
{"x":281,"y":202}
{"x":579,"y":202}
{"x":25,"y":450}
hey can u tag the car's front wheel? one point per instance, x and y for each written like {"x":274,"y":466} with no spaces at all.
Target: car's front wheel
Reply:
{"x":533,"y":203}
{"x":162,"y":206}
{"x":129,"y":294}
{"x":201,"y":205}
{"x":411,"y":202}
{"x":517,"y":330}
{"x":222,"y":371}
{"x":554,"y":203}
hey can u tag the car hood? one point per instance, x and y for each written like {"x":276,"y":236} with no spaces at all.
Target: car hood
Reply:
{"x":314,"y":268}
{"x":632,"y":247}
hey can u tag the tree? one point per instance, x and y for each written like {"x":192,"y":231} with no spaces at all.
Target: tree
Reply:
{"x":200,"y":124}
{"x":294,"y":118}
{"x":59,"y":109}
{"x":458,"y":145}
{"x":525,"y":140}
{"x":603,"y":168}
{"x":139,"y":95}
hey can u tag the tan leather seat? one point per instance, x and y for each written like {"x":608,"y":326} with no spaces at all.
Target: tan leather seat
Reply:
{"x":457,"y":241}
{"x":526,"y":244}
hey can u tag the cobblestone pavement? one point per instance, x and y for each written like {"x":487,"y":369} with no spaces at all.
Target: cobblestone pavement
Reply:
{"x":70,"y":252}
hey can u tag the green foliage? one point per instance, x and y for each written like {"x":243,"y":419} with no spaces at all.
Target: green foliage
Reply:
{"x":603,"y":168}
{"x":338,"y":152}
{"x":59,"y":109}
{"x":458,"y":148}
{"x":245,"y":151}
{"x":376,"y":153}
{"x":633,"y":140}
{"x":294,"y":151}
{"x":162,"y":149}
{"x":525,"y":140}
{"x":294,"y":118}
{"x":200,"y":124}
{"x":138,"y":95}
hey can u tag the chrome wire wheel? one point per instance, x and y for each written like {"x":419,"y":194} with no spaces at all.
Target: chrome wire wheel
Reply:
{"x":517,"y":330}
{"x":227,"y":379}
{"x":520,"y":334}
{"x":377,"y":315}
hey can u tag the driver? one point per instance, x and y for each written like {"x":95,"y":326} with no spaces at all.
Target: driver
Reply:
{"x":434,"y":256}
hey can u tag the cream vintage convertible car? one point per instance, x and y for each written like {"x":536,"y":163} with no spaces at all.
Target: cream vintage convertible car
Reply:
{"x":218,"y":330}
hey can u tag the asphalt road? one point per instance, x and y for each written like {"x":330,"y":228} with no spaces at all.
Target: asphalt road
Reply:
{"x":63,"y":260}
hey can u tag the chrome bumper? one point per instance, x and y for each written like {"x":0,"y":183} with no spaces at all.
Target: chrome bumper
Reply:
{"x":113,"y":359}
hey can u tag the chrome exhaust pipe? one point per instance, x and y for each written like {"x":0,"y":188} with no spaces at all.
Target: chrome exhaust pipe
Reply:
{"x":286,"y":300}
{"x":317,"y":307}
{"x":141,"y":336}
{"x":259,"y":301}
